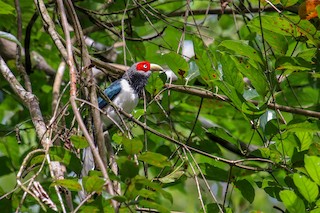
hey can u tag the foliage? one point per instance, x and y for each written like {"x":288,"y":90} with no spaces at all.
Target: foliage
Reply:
{"x":238,"y":131}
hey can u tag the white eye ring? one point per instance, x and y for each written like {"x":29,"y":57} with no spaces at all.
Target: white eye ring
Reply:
{"x":145,"y":66}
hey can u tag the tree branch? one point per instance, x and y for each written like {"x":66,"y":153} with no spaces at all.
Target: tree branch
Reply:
{"x":29,"y":100}
{"x":73,"y":94}
{"x":50,"y":27}
{"x":208,"y":94}
{"x":218,"y":11}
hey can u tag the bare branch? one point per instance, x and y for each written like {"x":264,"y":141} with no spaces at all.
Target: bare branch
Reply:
{"x":208,"y":94}
{"x":218,"y":11}
{"x":73,"y":93}
{"x":50,"y":27}
{"x":29,"y":100}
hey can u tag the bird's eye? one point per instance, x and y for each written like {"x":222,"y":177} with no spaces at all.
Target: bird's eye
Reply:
{"x":143,"y":66}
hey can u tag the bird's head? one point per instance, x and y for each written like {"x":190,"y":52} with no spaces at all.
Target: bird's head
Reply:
{"x":138,"y":74}
{"x":143,"y":69}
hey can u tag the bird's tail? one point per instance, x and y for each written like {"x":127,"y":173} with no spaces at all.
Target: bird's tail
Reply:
{"x":88,"y":161}
{"x":88,"y":165}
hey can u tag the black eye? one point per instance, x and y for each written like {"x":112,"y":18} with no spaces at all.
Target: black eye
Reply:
{"x":145,"y":66}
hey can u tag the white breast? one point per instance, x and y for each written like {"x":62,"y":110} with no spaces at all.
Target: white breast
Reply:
{"x":126,"y":100}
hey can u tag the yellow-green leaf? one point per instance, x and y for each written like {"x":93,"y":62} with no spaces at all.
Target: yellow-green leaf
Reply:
{"x":292,"y":202}
{"x":154,"y":159}
{"x":306,"y":187}
{"x":71,"y":184}
{"x":312,"y":165}
{"x":132,"y":146}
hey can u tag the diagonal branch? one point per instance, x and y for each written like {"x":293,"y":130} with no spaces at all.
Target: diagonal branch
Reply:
{"x":50,"y":27}
{"x":28,"y":99}
{"x":73,"y":95}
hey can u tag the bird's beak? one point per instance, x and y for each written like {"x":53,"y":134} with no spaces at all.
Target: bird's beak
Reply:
{"x":156,"y":67}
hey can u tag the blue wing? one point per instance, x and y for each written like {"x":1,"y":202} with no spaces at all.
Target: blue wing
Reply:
{"x":111,"y":92}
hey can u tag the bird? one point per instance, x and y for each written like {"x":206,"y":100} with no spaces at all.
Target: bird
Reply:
{"x":124,"y":93}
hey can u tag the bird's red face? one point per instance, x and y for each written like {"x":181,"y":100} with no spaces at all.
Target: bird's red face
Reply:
{"x":143,"y":66}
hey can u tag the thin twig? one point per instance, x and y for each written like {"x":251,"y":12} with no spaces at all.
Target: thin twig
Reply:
{"x":205,"y":181}
{"x":57,"y":84}
{"x":83,"y":202}
{"x":197,"y":182}
{"x":19,"y":174}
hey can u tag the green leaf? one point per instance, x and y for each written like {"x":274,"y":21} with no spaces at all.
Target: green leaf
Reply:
{"x":172,"y":177}
{"x":117,"y":138}
{"x":225,"y":21}
{"x":153,"y":205}
{"x":278,"y":42}
{"x":37,"y":160}
{"x":154,"y":186}
{"x":10,"y":148}
{"x":177,"y":64}
{"x":71,"y":184}
{"x":92,"y":209}
{"x":204,"y":60}
{"x":148,"y":194}
{"x":79,"y":142}
{"x":254,"y":73}
{"x":66,"y":157}
{"x":137,"y":48}
{"x":317,"y":210}
{"x":306,"y":139}
{"x":306,"y":126}
{"x":108,"y":196}
{"x":230,"y":72}
{"x":273,"y":191}
{"x":252,"y":111}
{"x":292,"y":64}
{"x":127,"y":168}
{"x":287,"y":26}
{"x":308,"y":54}
{"x":222,"y":133}
{"x":242,"y":48}
{"x":5,"y":166}
{"x":193,"y":71}
{"x":229,"y":90}
{"x":154,"y":159}
{"x":312,"y":165}
{"x":93,"y":183}
{"x":46,"y":88}
{"x":6,"y":9}
{"x":246,"y":189}
{"x":214,"y":173}
{"x":306,"y":187}
{"x":288,"y":3}
{"x":155,"y":84}
{"x":292,"y":202}
{"x":132,"y":146}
